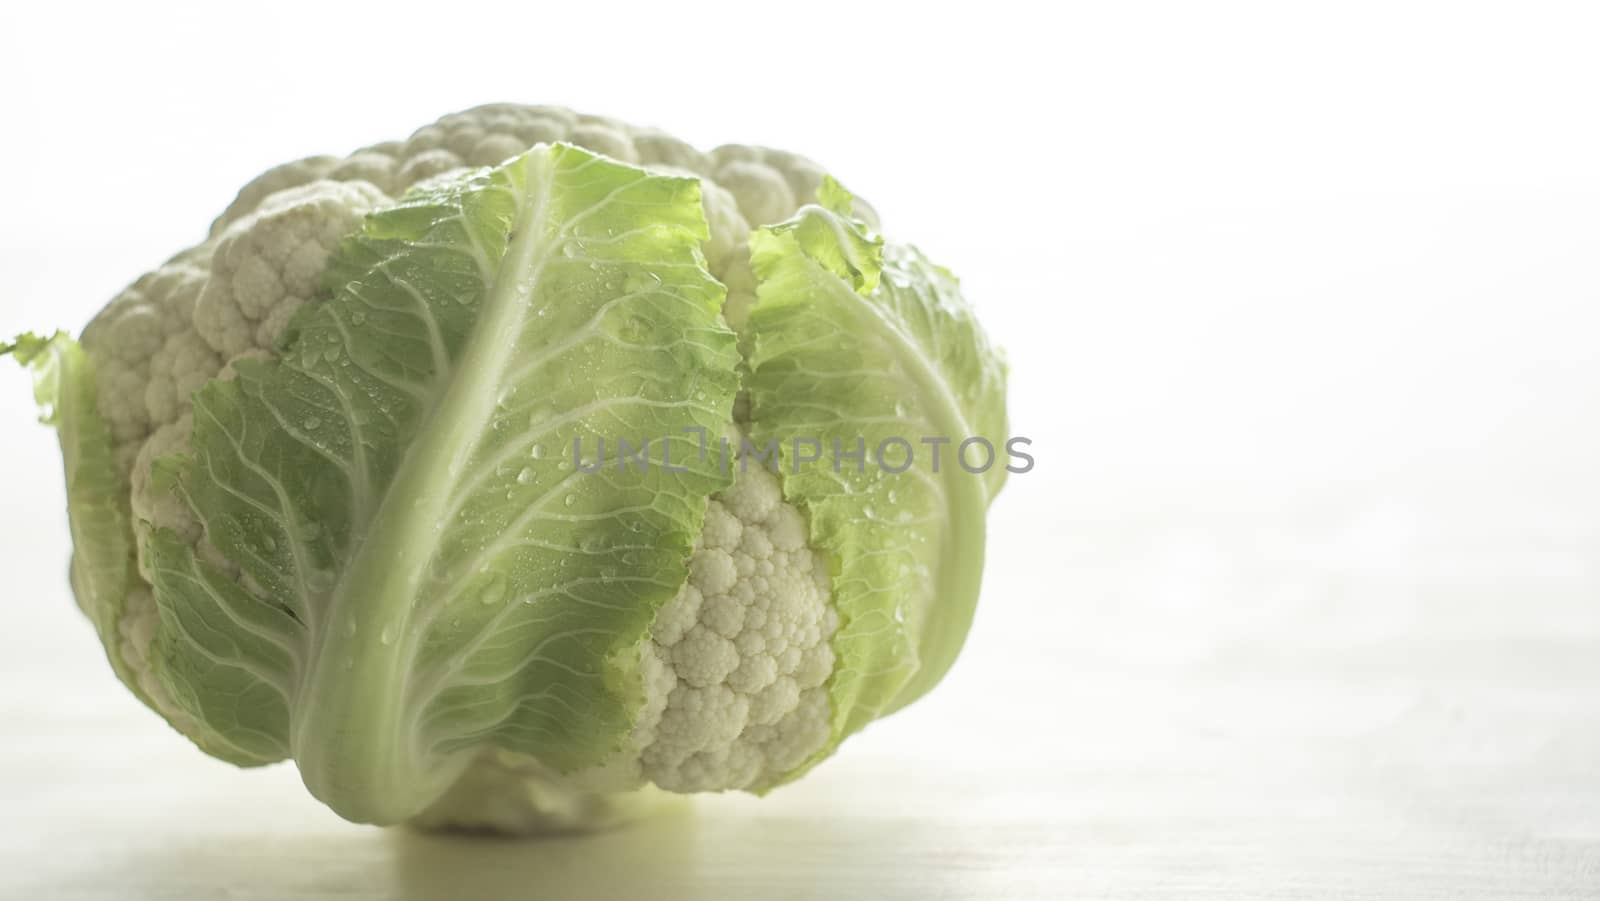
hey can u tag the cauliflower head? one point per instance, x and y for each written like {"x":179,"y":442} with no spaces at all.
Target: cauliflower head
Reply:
{"x":483,"y":473}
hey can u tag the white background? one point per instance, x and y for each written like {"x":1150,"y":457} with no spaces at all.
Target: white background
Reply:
{"x":1303,"y":597}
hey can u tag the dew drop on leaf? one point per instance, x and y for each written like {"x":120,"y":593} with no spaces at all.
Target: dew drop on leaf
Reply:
{"x":494,"y":591}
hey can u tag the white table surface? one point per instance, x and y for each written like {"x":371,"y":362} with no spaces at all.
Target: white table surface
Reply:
{"x":1370,"y":700}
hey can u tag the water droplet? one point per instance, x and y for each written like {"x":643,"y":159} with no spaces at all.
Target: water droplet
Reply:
{"x":536,"y":452}
{"x":311,"y":423}
{"x":387,"y":635}
{"x":268,"y":543}
{"x":350,"y":626}
{"x":868,"y":512}
{"x":569,"y":249}
{"x":358,"y":318}
{"x":570,"y":500}
{"x":633,"y":329}
{"x":638,"y":282}
{"x":494,"y":591}
{"x":525,"y":476}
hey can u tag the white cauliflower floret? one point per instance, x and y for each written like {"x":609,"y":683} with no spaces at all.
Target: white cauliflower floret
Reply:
{"x":741,"y":653}
{"x":269,"y":263}
{"x":270,"y":182}
{"x":162,"y":508}
{"x":143,"y":345}
{"x":767,"y":185}
{"x":179,"y":369}
{"x":728,"y":252}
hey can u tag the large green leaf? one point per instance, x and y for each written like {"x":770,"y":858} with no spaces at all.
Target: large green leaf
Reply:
{"x":97,"y":492}
{"x":413,"y":565}
{"x":857,"y":343}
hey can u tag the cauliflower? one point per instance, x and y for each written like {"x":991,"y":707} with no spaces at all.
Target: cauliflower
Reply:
{"x":737,"y":659}
{"x":322,"y":508}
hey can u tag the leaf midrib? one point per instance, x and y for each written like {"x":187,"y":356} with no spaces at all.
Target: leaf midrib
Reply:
{"x":352,"y":700}
{"x":962,"y":544}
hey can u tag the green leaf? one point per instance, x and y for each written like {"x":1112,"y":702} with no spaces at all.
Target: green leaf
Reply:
{"x":412,"y":565}
{"x":846,"y":352}
{"x":97,"y":492}
{"x":826,"y":235}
